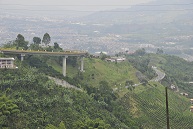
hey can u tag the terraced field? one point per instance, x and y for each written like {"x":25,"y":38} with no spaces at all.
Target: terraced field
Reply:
{"x":148,"y":107}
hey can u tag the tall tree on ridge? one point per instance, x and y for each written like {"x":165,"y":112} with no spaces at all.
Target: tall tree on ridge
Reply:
{"x":20,"y":42}
{"x":46,"y":39}
{"x":36,"y":40}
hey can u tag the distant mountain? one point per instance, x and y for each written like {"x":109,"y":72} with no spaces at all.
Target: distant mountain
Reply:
{"x":159,"y":11}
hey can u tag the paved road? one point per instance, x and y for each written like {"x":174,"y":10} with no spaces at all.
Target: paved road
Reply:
{"x":32,"y":52}
{"x":160,"y":75}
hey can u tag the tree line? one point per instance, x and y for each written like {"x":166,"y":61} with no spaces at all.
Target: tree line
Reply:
{"x":20,"y":43}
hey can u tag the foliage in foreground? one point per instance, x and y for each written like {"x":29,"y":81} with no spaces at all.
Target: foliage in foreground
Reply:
{"x":42,"y":102}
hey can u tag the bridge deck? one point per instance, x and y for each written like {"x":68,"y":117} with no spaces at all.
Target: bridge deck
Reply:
{"x":32,"y":52}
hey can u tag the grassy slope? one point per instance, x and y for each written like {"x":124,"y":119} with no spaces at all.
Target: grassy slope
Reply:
{"x":71,"y":71}
{"x":150,"y":99}
{"x":147,"y":106}
{"x":97,"y":70}
{"x":177,"y":69}
{"x":113,"y":73}
{"x":145,"y":103}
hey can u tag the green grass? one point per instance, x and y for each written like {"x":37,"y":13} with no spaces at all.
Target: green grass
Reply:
{"x":116,"y":74}
{"x":157,"y":60}
{"x":97,"y":70}
{"x":112,"y":72}
{"x":55,"y":65}
{"x":147,"y":106}
{"x":71,"y":71}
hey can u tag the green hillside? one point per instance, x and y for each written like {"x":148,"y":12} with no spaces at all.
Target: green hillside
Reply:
{"x":41,"y":102}
{"x":146,"y":104}
{"x":178,"y":71}
{"x":116,"y":74}
{"x":29,"y":99}
{"x":148,"y":109}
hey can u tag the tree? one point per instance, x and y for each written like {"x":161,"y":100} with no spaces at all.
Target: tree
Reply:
{"x":103,"y":56}
{"x":92,"y":124}
{"x":8,"y":110}
{"x":144,"y":82}
{"x":159,"y":51}
{"x":61,"y":126}
{"x":105,"y":92}
{"x":49,"y":49}
{"x":46,"y":39}
{"x":129,"y":83}
{"x":20,"y":37}
{"x":140,"y":52}
{"x":20,"y":42}
{"x":36,"y":40}
{"x":56,"y":45}
{"x":35,"y":47}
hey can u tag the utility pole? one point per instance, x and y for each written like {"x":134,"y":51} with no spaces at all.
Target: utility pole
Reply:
{"x":167,"y":110}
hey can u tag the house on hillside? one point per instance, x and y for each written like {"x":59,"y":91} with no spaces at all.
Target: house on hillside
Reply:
{"x":191,"y":108}
{"x":173,"y":87}
{"x":191,"y":101}
{"x":184,"y":94}
{"x":115,"y":59}
{"x":7,"y":62}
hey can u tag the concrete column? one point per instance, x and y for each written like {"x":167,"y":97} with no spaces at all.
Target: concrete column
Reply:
{"x":22,"y":57}
{"x":64,"y":66}
{"x":82,"y":64}
{"x":12,"y":63}
{"x":6,"y":63}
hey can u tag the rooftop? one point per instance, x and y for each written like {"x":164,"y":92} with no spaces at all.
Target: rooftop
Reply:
{"x":6,"y":58}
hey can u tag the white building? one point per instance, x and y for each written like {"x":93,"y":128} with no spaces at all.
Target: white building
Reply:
{"x":7,"y":62}
{"x":115,"y":59}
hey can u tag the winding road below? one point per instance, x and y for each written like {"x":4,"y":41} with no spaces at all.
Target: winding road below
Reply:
{"x":160,"y":75}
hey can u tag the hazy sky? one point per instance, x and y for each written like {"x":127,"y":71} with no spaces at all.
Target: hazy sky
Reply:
{"x":77,"y":2}
{"x":84,"y":4}
{"x":65,"y":5}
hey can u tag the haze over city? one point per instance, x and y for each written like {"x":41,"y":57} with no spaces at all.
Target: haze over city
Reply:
{"x":72,"y":4}
{"x":104,"y":25}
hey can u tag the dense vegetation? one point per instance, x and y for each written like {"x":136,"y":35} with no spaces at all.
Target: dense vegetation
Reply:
{"x":41,"y":102}
{"x":178,"y":71}
{"x":107,"y":99}
{"x":150,"y":112}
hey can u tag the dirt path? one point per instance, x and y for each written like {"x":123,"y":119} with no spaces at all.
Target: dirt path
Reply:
{"x":63,"y":83}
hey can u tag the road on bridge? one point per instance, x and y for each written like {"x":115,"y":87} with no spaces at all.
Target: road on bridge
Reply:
{"x":32,"y":52}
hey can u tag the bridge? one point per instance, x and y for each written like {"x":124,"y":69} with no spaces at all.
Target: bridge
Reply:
{"x":64,"y":54}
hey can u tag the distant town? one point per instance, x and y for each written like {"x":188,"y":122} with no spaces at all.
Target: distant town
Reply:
{"x":91,"y":37}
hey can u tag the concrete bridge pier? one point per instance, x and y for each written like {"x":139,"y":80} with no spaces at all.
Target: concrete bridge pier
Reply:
{"x":22,"y":57}
{"x":64,"y":65}
{"x":82,"y":64}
